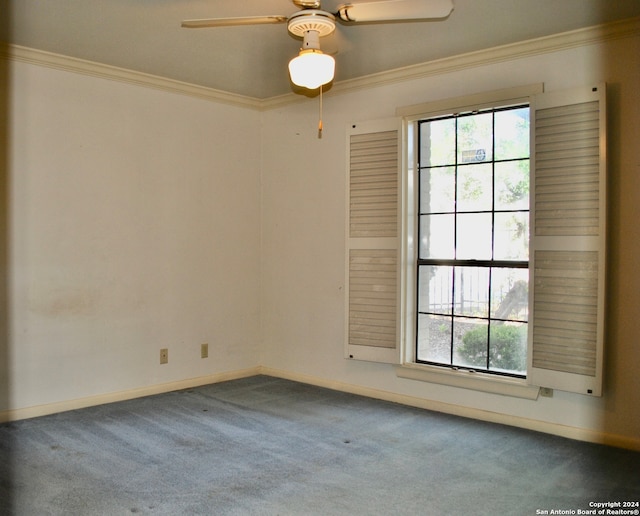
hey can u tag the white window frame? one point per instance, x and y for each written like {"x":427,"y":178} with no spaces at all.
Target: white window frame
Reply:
{"x":410,"y":368}
{"x":539,"y":372}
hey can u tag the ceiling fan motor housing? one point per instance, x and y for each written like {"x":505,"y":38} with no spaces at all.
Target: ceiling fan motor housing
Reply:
{"x":308,"y":20}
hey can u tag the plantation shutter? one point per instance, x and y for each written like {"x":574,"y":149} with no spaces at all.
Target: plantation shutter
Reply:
{"x":568,"y":244}
{"x":373,"y":243}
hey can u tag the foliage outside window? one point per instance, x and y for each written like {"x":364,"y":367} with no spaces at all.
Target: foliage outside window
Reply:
{"x":473,"y":252}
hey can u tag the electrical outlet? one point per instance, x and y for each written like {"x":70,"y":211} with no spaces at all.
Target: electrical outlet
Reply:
{"x":546,"y":392}
{"x":204,"y":350}
{"x":164,"y":356}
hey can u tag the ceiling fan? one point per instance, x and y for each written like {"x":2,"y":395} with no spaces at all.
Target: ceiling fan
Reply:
{"x":312,"y":68}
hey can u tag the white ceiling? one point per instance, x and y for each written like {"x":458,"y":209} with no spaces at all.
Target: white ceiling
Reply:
{"x":145,"y":35}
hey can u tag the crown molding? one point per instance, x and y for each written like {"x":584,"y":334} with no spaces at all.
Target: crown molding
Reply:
{"x":554,"y":43}
{"x":532,"y":47}
{"x":93,"y":69}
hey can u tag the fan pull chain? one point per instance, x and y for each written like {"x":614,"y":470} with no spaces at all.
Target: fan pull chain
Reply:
{"x":320,"y":116}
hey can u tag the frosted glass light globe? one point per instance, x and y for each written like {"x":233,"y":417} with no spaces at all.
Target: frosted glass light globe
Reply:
{"x":311,"y":69}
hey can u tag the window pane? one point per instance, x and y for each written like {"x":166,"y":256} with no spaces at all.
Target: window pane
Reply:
{"x":435,"y":288}
{"x":475,"y":187}
{"x":436,"y":236}
{"x":438,"y":143}
{"x":437,"y":187}
{"x":508,"y":347}
{"x":510,"y":294}
{"x":470,"y":342}
{"x":511,"y":236}
{"x":512,"y":134}
{"x":471,"y":291}
{"x":473,"y":236}
{"x":475,"y":138}
{"x":512,"y":185}
{"x":434,"y":338}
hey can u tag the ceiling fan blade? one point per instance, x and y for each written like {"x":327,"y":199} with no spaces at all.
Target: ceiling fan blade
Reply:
{"x":230,"y":22}
{"x":395,"y":10}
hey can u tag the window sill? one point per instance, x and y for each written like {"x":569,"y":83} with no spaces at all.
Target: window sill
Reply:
{"x":468,"y":380}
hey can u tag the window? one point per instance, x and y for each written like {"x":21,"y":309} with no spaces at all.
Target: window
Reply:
{"x":469,"y":250}
{"x":473,"y":234}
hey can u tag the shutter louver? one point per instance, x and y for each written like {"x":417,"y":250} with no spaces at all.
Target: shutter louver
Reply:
{"x":567,"y":170}
{"x":568,"y":244}
{"x":372,"y":297}
{"x":373,"y":244}
{"x":565,"y":311}
{"x":374,"y":185}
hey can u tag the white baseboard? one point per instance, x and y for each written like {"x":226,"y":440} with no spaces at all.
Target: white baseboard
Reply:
{"x":580,"y":434}
{"x":101,"y":399}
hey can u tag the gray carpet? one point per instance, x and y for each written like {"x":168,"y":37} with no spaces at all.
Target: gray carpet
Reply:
{"x":266,"y":446}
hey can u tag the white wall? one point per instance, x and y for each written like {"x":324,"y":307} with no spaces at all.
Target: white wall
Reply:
{"x":304,"y":244}
{"x":134,"y":226}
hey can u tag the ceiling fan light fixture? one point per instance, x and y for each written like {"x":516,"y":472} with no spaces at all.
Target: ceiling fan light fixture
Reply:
{"x":312,"y":68}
